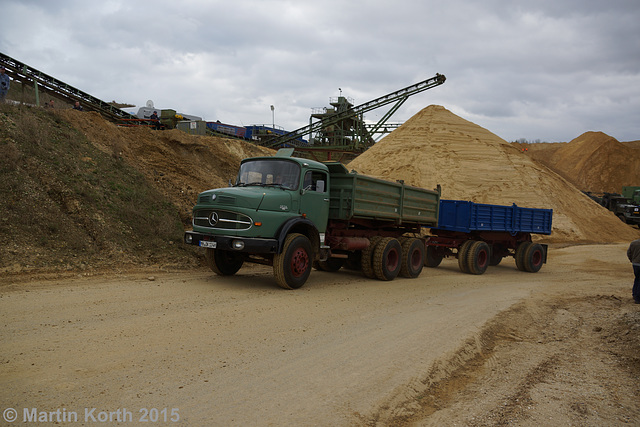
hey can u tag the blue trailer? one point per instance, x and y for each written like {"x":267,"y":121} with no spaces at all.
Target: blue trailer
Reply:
{"x":479,"y":235}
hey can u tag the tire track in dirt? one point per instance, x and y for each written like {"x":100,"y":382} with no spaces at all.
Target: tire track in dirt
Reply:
{"x":525,"y":362}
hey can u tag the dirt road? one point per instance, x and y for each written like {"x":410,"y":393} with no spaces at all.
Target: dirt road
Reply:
{"x":559,"y":346}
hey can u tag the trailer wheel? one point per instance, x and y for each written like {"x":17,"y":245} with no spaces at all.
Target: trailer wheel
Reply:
{"x":433,"y":257}
{"x":497,"y":253}
{"x":478,"y":256}
{"x":520,"y":252}
{"x":533,"y":257}
{"x":462,"y":256}
{"x":292,"y":266}
{"x":495,"y":259}
{"x":223,"y":263}
{"x":412,"y":258}
{"x":367,"y":257}
{"x":387,"y":259}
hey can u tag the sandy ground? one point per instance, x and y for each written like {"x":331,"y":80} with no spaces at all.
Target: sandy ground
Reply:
{"x":559,"y":347}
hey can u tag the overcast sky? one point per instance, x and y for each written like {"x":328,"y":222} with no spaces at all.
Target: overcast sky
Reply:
{"x":544,"y":69}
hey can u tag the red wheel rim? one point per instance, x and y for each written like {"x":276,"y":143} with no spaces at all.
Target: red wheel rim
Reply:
{"x":299,"y":262}
{"x":483,"y":258}
{"x":536,"y":258}
{"x":416,"y":259}
{"x":392,"y":260}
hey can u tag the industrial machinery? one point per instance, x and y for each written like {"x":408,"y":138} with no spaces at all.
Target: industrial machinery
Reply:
{"x":342,"y":127}
{"x":26,"y":75}
{"x":339,"y":128}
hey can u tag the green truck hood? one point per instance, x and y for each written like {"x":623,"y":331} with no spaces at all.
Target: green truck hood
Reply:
{"x":252,"y":197}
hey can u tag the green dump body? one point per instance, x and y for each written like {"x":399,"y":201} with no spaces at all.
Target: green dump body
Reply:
{"x":354,"y":196}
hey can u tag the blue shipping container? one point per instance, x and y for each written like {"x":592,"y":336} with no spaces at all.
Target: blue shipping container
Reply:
{"x":465,"y":217}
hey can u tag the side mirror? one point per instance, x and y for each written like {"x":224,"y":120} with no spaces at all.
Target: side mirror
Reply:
{"x":320,"y":186}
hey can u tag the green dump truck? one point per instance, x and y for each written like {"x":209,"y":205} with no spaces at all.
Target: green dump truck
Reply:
{"x":295,"y":214}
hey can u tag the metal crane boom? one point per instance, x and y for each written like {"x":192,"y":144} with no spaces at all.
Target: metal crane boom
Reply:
{"x":398,"y":96}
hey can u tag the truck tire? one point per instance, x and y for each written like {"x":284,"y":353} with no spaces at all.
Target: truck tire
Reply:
{"x":223,"y":263}
{"x":462,"y":256}
{"x":478,"y":256}
{"x":496,"y":255}
{"x":292,"y":266}
{"x":331,"y":264}
{"x":533,"y":257}
{"x":432,"y":257}
{"x":520,"y":252}
{"x":495,"y":260}
{"x":367,"y":257}
{"x":622,"y":218}
{"x":387,"y":259}
{"x":412,"y":258}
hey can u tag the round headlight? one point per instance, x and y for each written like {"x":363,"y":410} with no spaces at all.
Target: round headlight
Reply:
{"x":188,"y":238}
{"x":237,"y":244}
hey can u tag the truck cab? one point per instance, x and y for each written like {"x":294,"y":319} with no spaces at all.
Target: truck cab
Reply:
{"x":272,"y":198}
{"x":632,"y":193}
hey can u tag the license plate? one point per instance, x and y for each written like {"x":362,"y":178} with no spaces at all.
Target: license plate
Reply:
{"x":208,"y":244}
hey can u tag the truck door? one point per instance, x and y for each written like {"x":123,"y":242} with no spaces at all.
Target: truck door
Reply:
{"x":314,"y":202}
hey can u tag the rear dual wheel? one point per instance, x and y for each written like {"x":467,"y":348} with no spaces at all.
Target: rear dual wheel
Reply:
{"x":387,"y":259}
{"x":495,"y":259}
{"x":463,"y":250}
{"x":366,"y":260}
{"x":474,"y":257}
{"x":478,"y":257}
{"x":412,"y":258}
{"x":529,"y":257}
{"x":433,"y":257}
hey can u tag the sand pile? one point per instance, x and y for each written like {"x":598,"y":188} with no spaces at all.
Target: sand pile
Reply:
{"x":632,"y":144}
{"x":594,"y":161}
{"x":179,"y":165}
{"x":437,"y":147}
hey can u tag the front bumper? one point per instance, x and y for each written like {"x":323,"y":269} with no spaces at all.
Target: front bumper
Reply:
{"x":250,"y":245}
{"x":632,"y":219}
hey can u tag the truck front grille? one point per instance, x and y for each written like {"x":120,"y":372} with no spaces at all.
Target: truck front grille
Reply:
{"x":221,"y":220}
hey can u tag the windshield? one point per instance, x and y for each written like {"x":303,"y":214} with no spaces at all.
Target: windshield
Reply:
{"x":279,"y":173}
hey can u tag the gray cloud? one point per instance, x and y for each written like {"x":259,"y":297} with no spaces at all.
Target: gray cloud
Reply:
{"x":540,"y":70}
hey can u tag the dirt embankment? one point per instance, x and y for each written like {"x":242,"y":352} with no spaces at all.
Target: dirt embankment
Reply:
{"x":180,"y":165}
{"x":594,"y":161}
{"x":470,"y":163}
{"x":82,"y":194}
